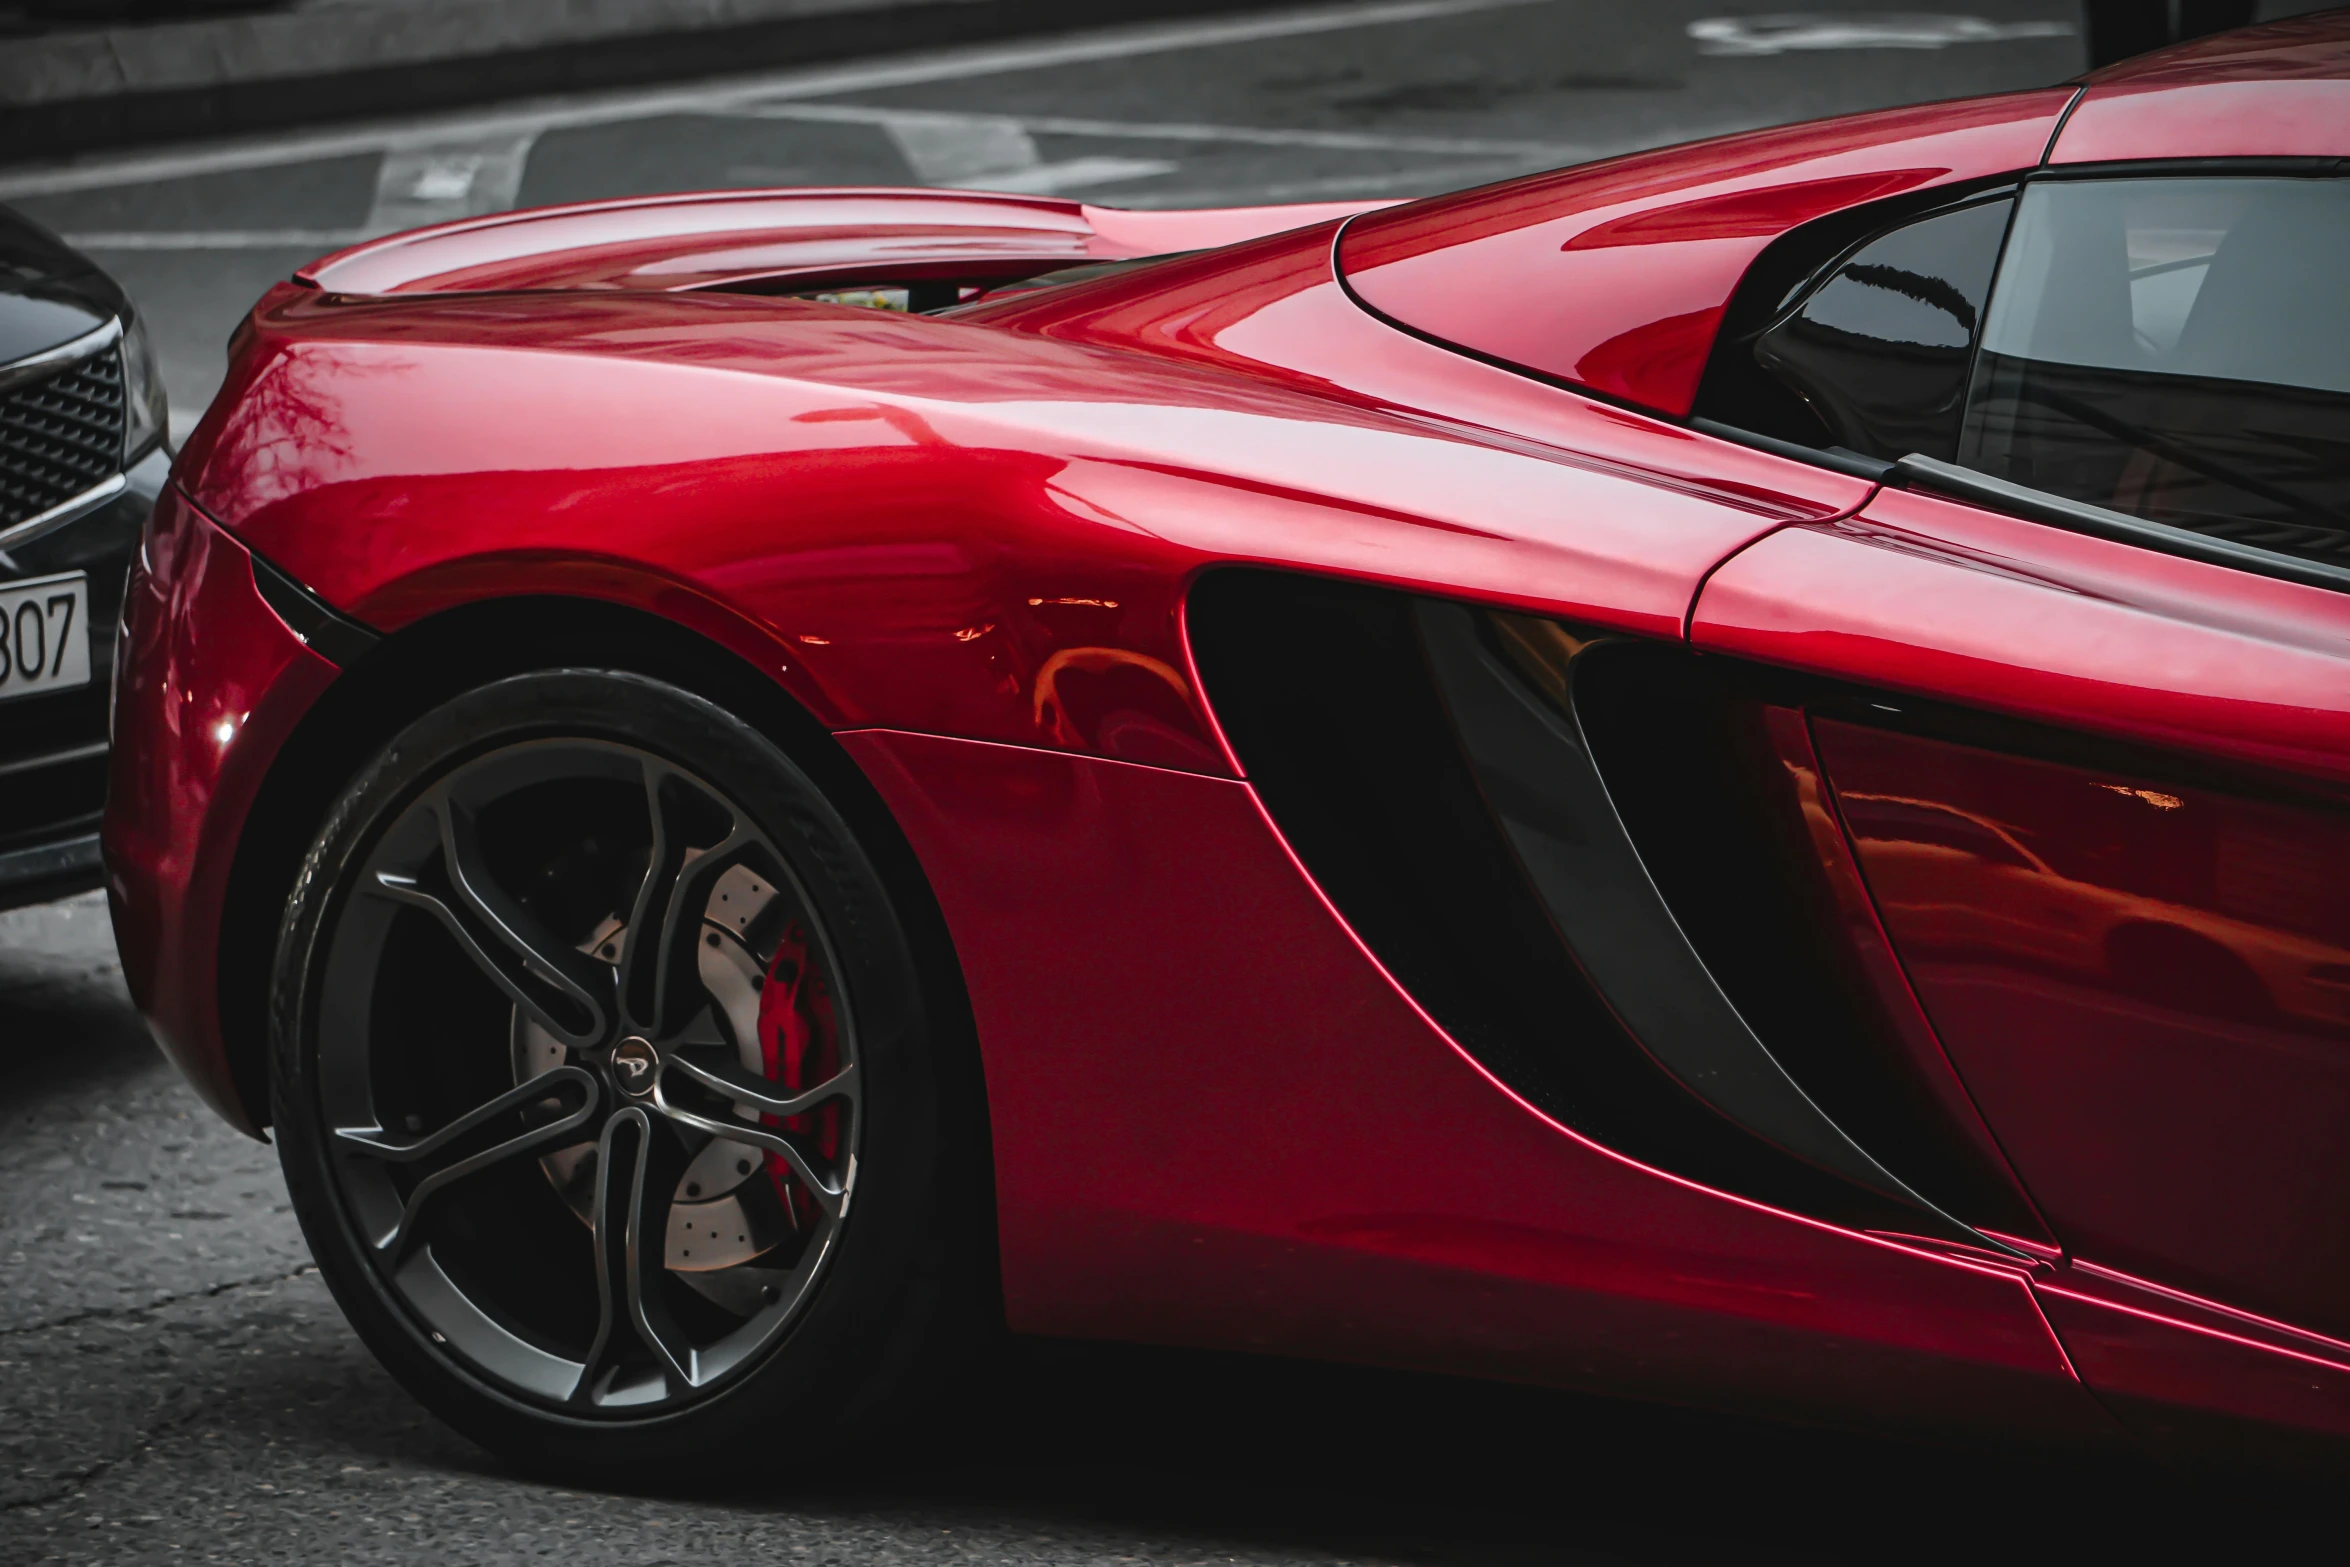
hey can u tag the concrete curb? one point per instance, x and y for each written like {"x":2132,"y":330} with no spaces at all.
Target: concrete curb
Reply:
{"x":77,"y":91}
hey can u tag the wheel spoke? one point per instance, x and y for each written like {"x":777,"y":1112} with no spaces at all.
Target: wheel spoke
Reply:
{"x":623,"y":913}
{"x":756,"y":1093}
{"x":371,"y":1143}
{"x":830,"y":1194}
{"x":561,"y":989}
{"x":654,"y":1188}
{"x":657,"y":968}
{"x":604,"y":1234}
{"x":637,"y":1167}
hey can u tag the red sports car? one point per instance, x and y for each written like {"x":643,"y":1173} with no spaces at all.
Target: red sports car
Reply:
{"x":1720,"y":776}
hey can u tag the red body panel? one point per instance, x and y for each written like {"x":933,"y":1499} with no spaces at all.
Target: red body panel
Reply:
{"x":1863,"y":931}
{"x":2280,"y":91}
{"x":1929,"y":596}
{"x":2129,"y":971}
{"x":1283,"y":314}
{"x":934,"y":525}
{"x":215,"y":682}
{"x":963,"y":544}
{"x":910,"y":518}
{"x":2193,"y":1379}
{"x":802,"y":238}
{"x":1615,"y":276}
{"x":1161,"y":1177}
{"x":2147,"y":986}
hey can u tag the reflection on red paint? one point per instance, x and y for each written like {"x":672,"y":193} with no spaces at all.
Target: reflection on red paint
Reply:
{"x":1666,"y":351}
{"x":1613,"y":275}
{"x":202,"y":651}
{"x":1088,"y":898}
{"x":1924,"y":595}
{"x":2147,"y":986}
{"x":1927,"y":1063}
{"x":2282,"y":90}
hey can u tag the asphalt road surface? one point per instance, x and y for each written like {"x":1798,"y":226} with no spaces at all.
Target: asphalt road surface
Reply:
{"x":175,"y":1383}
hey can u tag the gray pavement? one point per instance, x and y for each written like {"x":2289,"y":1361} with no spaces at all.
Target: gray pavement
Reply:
{"x":174,"y":1382}
{"x":123,"y":72}
{"x":1388,"y":97}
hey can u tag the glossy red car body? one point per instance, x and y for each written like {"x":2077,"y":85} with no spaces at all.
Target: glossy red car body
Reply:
{"x":965,"y":545}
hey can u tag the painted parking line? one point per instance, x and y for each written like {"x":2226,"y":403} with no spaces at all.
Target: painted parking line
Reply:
{"x":999,"y":152}
{"x":464,"y":177}
{"x":1752,"y":36}
{"x":539,"y":115}
{"x":1426,"y":181}
{"x":1158,"y":130}
{"x":992,"y":152}
{"x":458,"y":177}
{"x":215,"y":239}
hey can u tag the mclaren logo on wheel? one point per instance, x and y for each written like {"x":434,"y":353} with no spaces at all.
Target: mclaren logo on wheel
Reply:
{"x":635,"y":1064}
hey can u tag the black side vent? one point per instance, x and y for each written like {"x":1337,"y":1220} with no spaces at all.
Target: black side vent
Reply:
{"x":1679,"y":739}
{"x":1325,"y":692}
{"x":59,"y":436}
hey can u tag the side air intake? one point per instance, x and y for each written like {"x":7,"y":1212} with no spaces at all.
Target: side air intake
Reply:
{"x":1413,"y":769}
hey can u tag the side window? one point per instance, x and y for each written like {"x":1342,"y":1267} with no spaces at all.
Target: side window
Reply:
{"x":1879,"y":345}
{"x":2177,"y":349}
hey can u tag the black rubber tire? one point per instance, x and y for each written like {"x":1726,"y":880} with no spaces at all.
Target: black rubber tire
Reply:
{"x":898,"y":1301}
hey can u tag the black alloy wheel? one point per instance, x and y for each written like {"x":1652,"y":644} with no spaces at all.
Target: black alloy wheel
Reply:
{"x":603,"y":1080}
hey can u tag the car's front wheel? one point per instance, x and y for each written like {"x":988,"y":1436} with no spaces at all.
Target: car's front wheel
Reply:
{"x":606,"y":1090}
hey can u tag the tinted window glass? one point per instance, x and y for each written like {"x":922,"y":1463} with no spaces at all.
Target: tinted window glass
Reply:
{"x":1881,"y":346}
{"x":2178,"y":349}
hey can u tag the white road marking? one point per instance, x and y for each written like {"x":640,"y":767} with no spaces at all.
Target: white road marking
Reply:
{"x":994,"y":152}
{"x":1051,"y":179}
{"x":1406,"y":182}
{"x":317,"y":240}
{"x":1750,"y":36}
{"x":944,"y":148}
{"x":1156,"y":130}
{"x":538,"y":115}
{"x":937,"y":164}
{"x":454,"y":179}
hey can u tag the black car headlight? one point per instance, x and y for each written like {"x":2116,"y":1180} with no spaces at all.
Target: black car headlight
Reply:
{"x":146,"y":410}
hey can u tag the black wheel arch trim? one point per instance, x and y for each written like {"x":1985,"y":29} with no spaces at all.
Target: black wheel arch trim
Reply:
{"x":324,"y":629}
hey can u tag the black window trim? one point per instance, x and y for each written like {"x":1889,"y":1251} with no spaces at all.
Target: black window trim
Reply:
{"x":1919,"y":472}
{"x":2005,"y":188}
{"x":1897,"y":212}
{"x":1837,"y":458}
{"x":1927,"y":473}
{"x":2192,"y":168}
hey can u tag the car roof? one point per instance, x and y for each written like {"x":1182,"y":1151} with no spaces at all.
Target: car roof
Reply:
{"x":2278,"y":91}
{"x":2307,"y":48}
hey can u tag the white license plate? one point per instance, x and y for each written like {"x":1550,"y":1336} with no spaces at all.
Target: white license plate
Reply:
{"x":44,"y":635}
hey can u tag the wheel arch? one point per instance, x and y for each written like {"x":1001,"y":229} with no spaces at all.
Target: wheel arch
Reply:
{"x":434,"y":658}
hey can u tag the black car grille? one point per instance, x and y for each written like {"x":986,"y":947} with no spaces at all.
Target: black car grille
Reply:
{"x":60,"y":435}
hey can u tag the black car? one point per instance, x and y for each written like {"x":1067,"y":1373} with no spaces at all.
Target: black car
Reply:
{"x":82,"y":455}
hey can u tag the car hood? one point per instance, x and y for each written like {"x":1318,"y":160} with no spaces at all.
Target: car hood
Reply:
{"x":49,"y":292}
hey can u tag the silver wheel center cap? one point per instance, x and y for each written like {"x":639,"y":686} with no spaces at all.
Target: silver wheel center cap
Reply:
{"x":635,"y":1067}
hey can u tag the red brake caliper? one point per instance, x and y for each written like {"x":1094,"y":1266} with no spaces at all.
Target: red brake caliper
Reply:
{"x":798,"y":1047}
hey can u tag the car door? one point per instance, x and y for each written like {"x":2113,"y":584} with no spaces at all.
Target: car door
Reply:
{"x":2080,"y":702}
